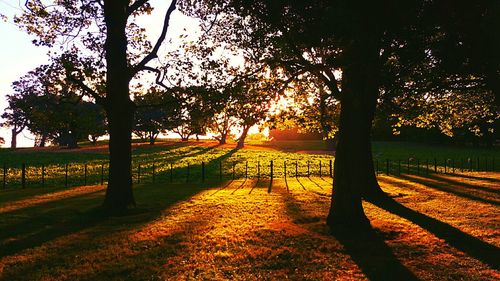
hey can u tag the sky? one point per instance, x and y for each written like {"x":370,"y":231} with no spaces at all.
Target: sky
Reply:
{"x":18,"y":55}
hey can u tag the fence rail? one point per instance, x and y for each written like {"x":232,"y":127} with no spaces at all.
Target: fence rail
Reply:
{"x":73,"y":174}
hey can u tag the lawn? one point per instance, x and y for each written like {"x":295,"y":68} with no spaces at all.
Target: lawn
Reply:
{"x":172,"y":161}
{"x":432,"y":226}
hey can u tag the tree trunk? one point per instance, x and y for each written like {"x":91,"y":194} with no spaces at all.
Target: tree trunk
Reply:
{"x":241,"y":140}
{"x":13,"y":140}
{"x":152,"y":138}
{"x":43,"y":140}
{"x":119,"y":109}
{"x":223,"y":137}
{"x":354,"y":174}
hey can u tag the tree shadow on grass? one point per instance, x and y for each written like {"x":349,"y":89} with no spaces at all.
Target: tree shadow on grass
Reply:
{"x":484,"y":178}
{"x":370,"y":252}
{"x":464,"y":184}
{"x":439,"y":187}
{"x":33,"y":226}
{"x":466,"y":243}
{"x":366,"y":247}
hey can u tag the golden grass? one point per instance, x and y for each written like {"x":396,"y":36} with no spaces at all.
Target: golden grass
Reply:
{"x":239,"y":231}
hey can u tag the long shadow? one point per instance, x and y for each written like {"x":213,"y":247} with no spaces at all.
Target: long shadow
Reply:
{"x":372,"y":255}
{"x":464,"y":242}
{"x":310,"y":190}
{"x":464,"y":184}
{"x":493,"y":180}
{"x":450,"y":190}
{"x":367,"y":249}
{"x":240,"y":186}
{"x":48,"y":221}
{"x":317,"y":184}
{"x":301,"y":184}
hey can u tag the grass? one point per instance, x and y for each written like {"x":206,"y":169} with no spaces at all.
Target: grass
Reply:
{"x":237,"y":230}
{"x":169,"y":155}
{"x":430,"y":227}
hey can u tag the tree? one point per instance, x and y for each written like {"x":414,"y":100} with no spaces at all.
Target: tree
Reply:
{"x":156,"y":113}
{"x":117,"y":59}
{"x":14,"y":119}
{"x":252,"y":104}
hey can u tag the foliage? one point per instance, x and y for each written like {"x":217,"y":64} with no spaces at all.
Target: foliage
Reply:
{"x":155,"y":114}
{"x":48,"y":106}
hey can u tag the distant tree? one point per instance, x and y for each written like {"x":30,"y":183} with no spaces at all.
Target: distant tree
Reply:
{"x":14,"y":118}
{"x":156,"y":113}
{"x":252,"y":104}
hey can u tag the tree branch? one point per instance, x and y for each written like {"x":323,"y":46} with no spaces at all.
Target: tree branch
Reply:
{"x":154,"y":52}
{"x":87,"y":89}
{"x":136,"y":5}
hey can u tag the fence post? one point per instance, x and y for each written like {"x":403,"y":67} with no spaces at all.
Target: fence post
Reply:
{"x":102,"y":174}
{"x":85,"y":175}
{"x":43,"y":175}
{"x":320,"y":168}
{"x":66,"y":176}
{"x":203,"y":171}
{"x":246,"y":169}
{"x":445,"y":164}
{"x":284,"y":168}
{"x":308,"y":174}
{"x":23,"y":175}
{"x":139,"y":174}
{"x":296,"y":168}
{"x":435,"y":166}
{"x":387,"y":166}
{"x":258,"y":169}
{"x":272,"y":175}
{"x":331,"y":172}
{"x":4,"y":176}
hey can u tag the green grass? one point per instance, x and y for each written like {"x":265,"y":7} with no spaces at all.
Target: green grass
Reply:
{"x":182,"y":162}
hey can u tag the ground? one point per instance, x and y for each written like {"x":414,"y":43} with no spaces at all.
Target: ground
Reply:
{"x":432,"y":227}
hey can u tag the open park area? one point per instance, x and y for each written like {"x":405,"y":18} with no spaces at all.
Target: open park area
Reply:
{"x":431,"y":226}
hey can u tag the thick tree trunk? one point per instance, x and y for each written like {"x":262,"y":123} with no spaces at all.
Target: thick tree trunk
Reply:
{"x":354,"y":174}
{"x":119,"y":109}
{"x":13,"y":140}
{"x":241,"y":140}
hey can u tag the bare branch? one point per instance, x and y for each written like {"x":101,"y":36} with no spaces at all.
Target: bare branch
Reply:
{"x":136,"y":5}
{"x":154,"y":52}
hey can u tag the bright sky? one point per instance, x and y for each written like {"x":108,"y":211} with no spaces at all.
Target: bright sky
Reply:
{"x":18,"y":55}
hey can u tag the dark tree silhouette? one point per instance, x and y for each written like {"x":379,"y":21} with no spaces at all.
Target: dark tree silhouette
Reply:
{"x":121,"y":42}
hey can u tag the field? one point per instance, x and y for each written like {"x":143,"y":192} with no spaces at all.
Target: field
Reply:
{"x":433,"y":226}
